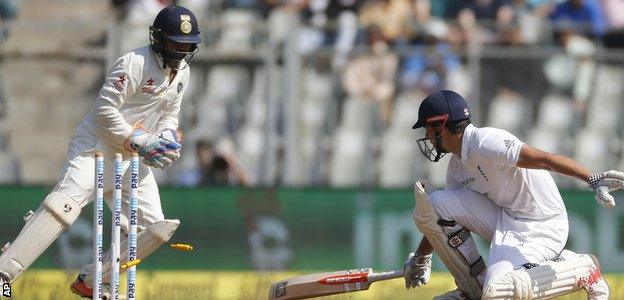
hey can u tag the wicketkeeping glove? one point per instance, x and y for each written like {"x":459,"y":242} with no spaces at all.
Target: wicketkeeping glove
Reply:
{"x":417,"y":270}
{"x":605,"y":183}
{"x":172,"y":135}
{"x":156,"y":151}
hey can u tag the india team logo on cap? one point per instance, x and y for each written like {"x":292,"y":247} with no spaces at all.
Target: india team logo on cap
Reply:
{"x":185,"y":26}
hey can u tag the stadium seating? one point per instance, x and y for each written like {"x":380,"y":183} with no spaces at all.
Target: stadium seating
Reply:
{"x":400,"y":161}
{"x":593,"y":149}
{"x":351,"y":152}
{"x":340,"y":139}
{"x":237,"y":33}
{"x":510,"y":112}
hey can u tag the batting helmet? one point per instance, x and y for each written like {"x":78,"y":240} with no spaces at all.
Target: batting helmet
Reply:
{"x":177,"y":24}
{"x":442,"y":104}
{"x":435,"y":112}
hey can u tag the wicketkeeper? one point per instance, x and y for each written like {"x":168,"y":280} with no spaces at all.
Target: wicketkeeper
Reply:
{"x":136,"y":111}
{"x":501,"y":189}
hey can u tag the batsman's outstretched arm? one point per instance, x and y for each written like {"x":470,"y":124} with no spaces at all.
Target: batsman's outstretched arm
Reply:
{"x":533,"y":158}
{"x":601,"y":183}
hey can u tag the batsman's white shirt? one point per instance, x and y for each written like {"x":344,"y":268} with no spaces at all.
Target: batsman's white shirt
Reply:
{"x":137,"y":90}
{"x":519,"y":210}
{"x":488,"y":166}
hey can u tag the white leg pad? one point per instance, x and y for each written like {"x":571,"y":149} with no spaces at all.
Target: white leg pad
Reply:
{"x":426,"y":220}
{"x":57,"y":212}
{"x":148,"y":240}
{"x":550,"y":279}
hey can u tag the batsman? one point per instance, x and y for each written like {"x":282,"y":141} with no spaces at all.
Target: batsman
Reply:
{"x":501,"y":189}
{"x":136,"y":111}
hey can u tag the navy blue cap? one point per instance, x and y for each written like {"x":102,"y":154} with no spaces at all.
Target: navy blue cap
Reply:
{"x":178,"y":24}
{"x":441,"y":103}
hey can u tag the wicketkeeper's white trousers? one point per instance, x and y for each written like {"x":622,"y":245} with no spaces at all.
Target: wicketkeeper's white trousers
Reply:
{"x":77,"y":180}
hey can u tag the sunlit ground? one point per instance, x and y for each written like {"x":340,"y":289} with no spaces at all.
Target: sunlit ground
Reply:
{"x":46,"y":284}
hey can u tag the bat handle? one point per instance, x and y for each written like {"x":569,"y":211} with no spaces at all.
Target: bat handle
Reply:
{"x":385,"y":275}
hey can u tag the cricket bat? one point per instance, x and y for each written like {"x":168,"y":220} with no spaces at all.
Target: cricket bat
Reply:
{"x":323,"y":284}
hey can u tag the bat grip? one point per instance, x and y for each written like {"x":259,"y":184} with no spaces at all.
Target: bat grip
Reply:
{"x":385,"y":275}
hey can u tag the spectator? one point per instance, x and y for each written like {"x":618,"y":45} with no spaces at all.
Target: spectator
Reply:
{"x":427,"y":70}
{"x":371,"y":75}
{"x":444,"y":9}
{"x":392,"y":17}
{"x":476,"y":13}
{"x":217,"y":166}
{"x":614,"y":35}
{"x":583,"y":17}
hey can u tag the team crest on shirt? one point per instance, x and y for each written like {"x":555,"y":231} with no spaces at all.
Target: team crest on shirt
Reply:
{"x":179,"y":87}
{"x":149,"y":87}
{"x":120,"y":83}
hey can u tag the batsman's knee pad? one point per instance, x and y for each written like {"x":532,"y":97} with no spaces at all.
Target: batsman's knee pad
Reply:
{"x":148,"y":240}
{"x":57,"y":212}
{"x":453,"y":243}
{"x":548,"y":279}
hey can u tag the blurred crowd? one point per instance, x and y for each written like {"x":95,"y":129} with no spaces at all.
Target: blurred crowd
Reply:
{"x":533,"y":67}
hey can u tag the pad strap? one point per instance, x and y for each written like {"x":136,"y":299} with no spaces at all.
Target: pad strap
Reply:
{"x":457,"y":238}
{"x":477,"y":267}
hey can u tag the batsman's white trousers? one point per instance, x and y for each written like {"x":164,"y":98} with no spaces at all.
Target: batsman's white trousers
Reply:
{"x":513,"y":241}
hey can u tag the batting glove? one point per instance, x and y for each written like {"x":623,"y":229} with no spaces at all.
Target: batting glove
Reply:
{"x":417,"y":270}
{"x":605,"y":183}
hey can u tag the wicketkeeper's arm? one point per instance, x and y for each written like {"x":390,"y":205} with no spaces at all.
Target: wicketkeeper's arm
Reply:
{"x":120,"y":84}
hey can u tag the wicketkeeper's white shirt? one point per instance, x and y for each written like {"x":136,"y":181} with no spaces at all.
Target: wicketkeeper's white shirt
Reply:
{"x":488,"y":166}
{"x":137,"y":90}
